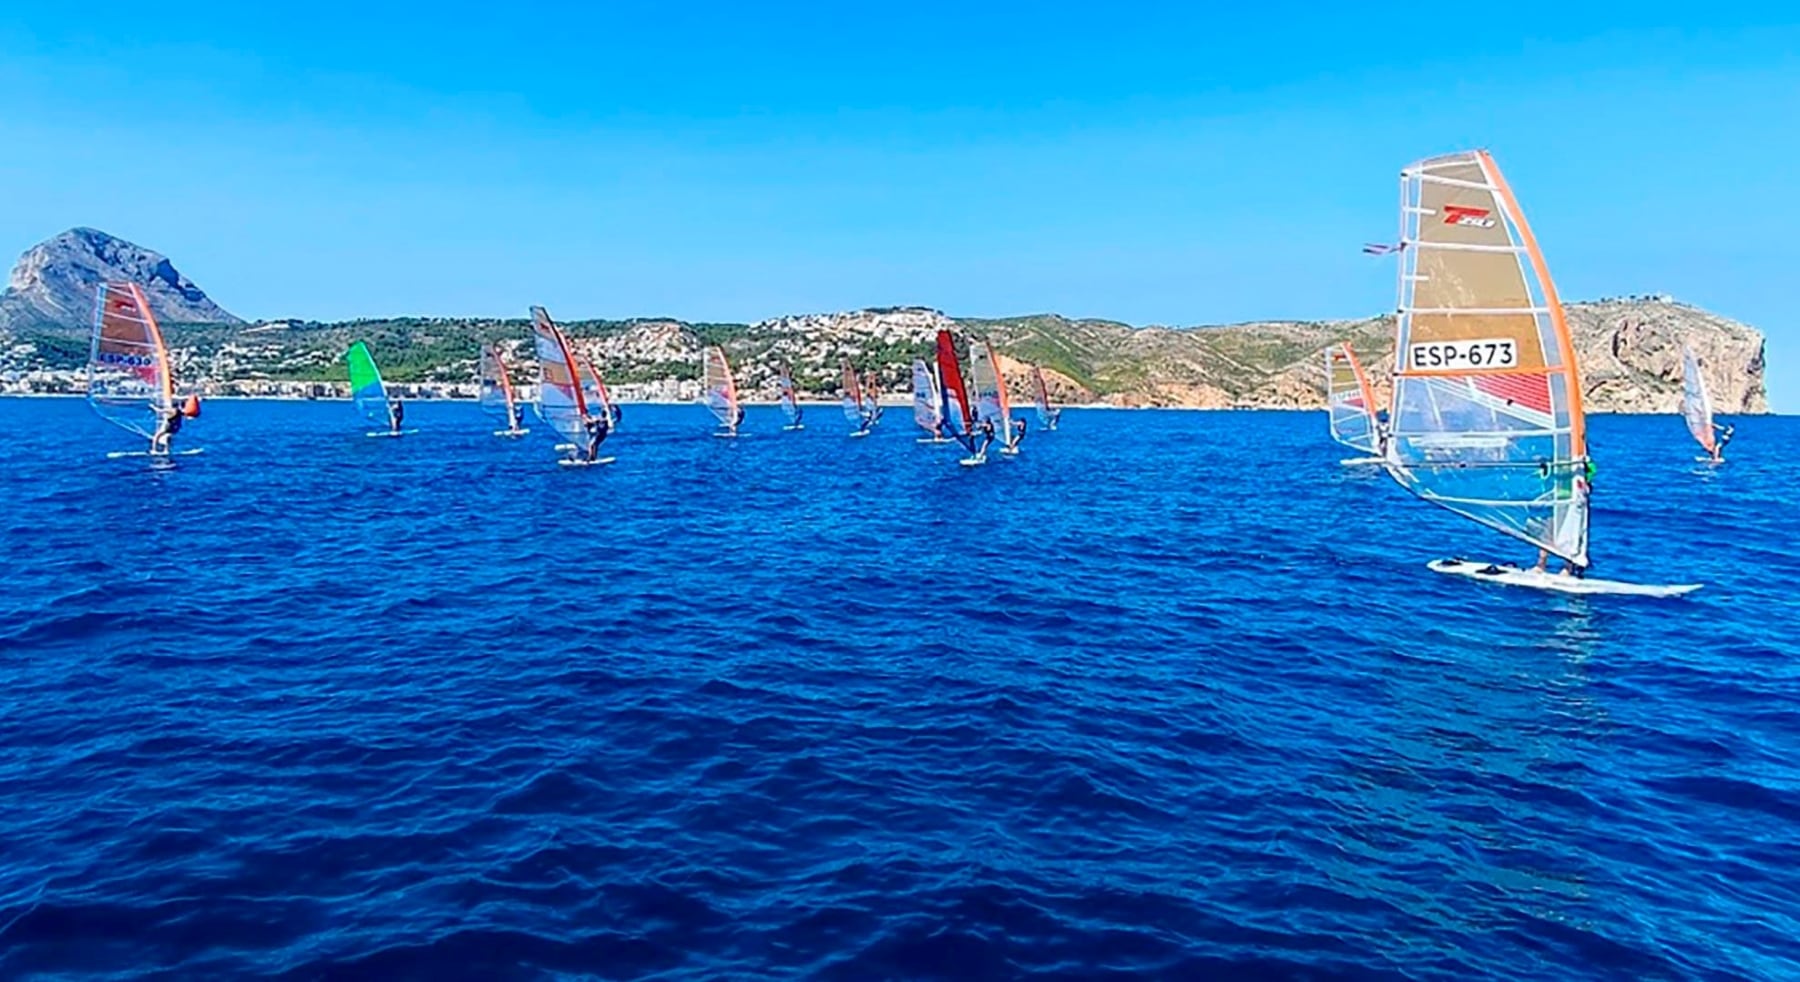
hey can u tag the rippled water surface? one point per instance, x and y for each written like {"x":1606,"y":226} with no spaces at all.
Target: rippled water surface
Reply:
{"x":1171,"y":695}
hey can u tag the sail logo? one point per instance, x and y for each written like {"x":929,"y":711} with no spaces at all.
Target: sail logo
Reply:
{"x":129,"y":361}
{"x":1468,"y":217}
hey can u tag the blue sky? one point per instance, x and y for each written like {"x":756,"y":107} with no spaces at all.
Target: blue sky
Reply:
{"x":1149,"y":163}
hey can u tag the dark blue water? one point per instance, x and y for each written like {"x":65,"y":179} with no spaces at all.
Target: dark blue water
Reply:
{"x":1170,"y":695}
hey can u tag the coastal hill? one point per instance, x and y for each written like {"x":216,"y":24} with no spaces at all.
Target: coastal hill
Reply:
{"x":1629,"y":349}
{"x":53,"y":284}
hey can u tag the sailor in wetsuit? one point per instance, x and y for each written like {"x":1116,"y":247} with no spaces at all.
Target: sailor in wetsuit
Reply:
{"x":1018,"y":434}
{"x":985,"y":431}
{"x":396,"y":415}
{"x":514,"y":416}
{"x":597,"y":429}
{"x":1725,"y":434}
{"x":168,"y":423}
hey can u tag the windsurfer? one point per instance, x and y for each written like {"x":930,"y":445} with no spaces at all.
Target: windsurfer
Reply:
{"x":986,"y":432}
{"x":168,"y":423}
{"x":514,"y":416}
{"x":1725,"y":434}
{"x":597,"y":429}
{"x":737,"y":419}
{"x":396,"y":415}
{"x":1017,"y":436}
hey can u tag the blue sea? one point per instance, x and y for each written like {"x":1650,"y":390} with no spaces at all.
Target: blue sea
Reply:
{"x":1170,"y":695}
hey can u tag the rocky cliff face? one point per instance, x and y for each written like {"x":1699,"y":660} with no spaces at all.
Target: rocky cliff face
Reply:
{"x":54,"y":283}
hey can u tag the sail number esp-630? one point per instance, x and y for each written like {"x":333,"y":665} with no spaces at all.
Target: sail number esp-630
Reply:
{"x":1442,"y":355}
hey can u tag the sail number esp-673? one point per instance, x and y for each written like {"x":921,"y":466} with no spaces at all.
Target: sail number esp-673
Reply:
{"x":1441,"y":355}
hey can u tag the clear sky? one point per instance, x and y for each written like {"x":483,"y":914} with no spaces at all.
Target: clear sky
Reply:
{"x":1149,"y":163}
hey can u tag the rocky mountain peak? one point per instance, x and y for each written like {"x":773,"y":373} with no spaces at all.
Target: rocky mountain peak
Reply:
{"x":54,"y":282}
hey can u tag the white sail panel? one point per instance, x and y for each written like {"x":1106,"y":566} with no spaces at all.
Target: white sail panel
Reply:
{"x":1696,"y":404}
{"x":928,"y":403}
{"x":1486,"y":418}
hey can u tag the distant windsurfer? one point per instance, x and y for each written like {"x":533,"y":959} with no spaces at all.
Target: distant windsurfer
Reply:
{"x":168,"y":423}
{"x":1724,"y":437}
{"x":737,"y":420}
{"x":396,"y":416}
{"x":597,"y":428}
{"x":1051,"y":417}
{"x":864,"y":420}
{"x":514,"y":416}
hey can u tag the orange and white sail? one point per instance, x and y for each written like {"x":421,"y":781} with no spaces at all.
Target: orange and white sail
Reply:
{"x":497,"y":396}
{"x":854,"y":400}
{"x":718,"y":389}
{"x":561,"y":401}
{"x":594,"y":388}
{"x":991,"y":401}
{"x":1350,"y":400}
{"x":1487,"y":418}
{"x":129,"y":381}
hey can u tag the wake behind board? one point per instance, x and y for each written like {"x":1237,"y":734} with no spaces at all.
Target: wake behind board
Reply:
{"x":390,"y":433}
{"x":1509,"y":575}
{"x":579,"y":462}
{"x":117,"y":454}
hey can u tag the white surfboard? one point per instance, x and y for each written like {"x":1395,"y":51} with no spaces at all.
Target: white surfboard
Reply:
{"x":859,"y":433}
{"x":1010,"y":451}
{"x":390,"y":433}
{"x":934,"y":440}
{"x":1510,"y":575}
{"x":1360,"y":461}
{"x":1708,"y":460}
{"x":117,"y":454}
{"x":796,"y":426}
{"x":580,"y":462}
{"x":513,"y":433}
{"x":972,"y":461}
{"x":725,"y":435}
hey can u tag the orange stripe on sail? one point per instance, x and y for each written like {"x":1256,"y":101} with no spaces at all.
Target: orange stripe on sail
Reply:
{"x":1565,"y":344}
{"x":1362,"y":381}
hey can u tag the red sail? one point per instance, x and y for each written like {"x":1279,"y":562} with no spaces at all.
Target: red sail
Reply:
{"x":951,"y":374}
